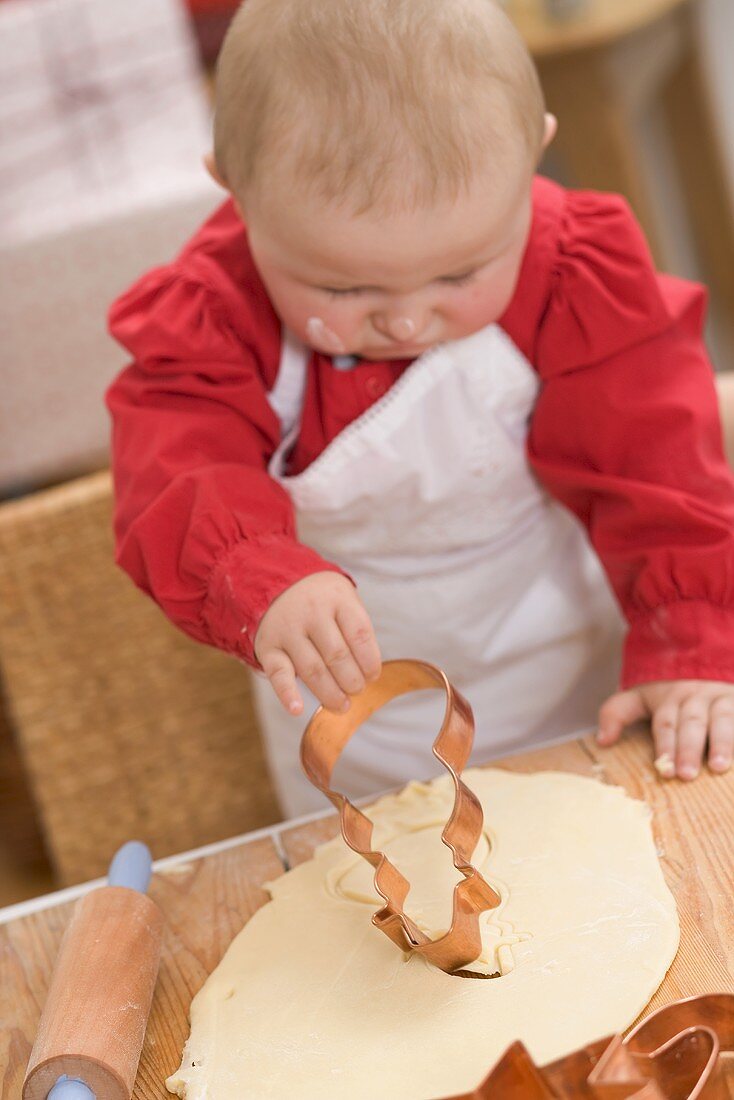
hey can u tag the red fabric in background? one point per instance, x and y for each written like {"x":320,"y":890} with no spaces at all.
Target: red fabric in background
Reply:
{"x":210,"y":20}
{"x":199,"y":6}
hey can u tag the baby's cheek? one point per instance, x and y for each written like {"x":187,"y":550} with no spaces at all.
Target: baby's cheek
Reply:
{"x":335,"y":324}
{"x":312,"y":317}
{"x":473,"y":313}
{"x":482,"y":305}
{"x":320,"y":336}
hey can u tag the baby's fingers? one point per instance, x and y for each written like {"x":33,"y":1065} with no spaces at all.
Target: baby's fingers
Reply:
{"x":356,"y":627}
{"x":279,"y":669}
{"x":664,"y":727}
{"x":693,"y":723}
{"x":619,"y":711}
{"x":311,"y":667}
{"x":338,"y":657}
{"x":721,"y":734}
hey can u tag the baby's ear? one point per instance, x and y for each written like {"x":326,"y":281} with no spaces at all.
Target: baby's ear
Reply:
{"x":211,"y":166}
{"x":550,"y":130}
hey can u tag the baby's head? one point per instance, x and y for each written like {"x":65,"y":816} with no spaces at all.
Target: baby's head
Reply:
{"x":381,"y":153}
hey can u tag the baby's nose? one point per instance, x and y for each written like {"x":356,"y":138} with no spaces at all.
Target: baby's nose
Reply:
{"x":400,"y":327}
{"x":403,"y":328}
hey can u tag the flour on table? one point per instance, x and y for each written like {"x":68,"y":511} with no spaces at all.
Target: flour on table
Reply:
{"x":312,"y":1001}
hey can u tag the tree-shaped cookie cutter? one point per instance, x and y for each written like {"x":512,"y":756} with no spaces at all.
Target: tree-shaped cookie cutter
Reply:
{"x":673,"y":1054}
{"x":323,"y":741}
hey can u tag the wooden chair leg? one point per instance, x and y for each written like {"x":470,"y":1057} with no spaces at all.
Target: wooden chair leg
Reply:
{"x":596,"y":135}
{"x":24,"y":865}
{"x":697,"y":149}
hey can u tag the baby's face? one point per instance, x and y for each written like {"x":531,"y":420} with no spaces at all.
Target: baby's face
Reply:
{"x":391,"y":287}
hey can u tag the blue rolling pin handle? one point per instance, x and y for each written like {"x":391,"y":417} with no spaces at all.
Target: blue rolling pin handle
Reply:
{"x":70,"y":1088}
{"x":131,"y":866}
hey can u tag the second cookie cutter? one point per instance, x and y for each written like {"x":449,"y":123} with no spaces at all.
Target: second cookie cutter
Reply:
{"x":323,"y":741}
{"x":673,"y":1054}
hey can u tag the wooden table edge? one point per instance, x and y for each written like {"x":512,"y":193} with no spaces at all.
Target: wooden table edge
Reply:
{"x":20,"y":909}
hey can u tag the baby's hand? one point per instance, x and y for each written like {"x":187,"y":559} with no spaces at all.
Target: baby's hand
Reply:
{"x":684,"y":714}
{"x":318,"y":630}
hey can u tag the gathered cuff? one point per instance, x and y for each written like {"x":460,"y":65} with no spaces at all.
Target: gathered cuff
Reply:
{"x":684,"y":640}
{"x":245,"y":581}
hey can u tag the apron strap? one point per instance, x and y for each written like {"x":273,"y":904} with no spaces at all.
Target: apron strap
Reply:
{"x":287,"y":395}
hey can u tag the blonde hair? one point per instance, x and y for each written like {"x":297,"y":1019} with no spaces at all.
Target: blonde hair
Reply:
{"x":380,"y":103}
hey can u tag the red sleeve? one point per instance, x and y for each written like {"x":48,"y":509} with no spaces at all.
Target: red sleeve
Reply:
{"x":626,"y":434}
{"x":200,"y":525}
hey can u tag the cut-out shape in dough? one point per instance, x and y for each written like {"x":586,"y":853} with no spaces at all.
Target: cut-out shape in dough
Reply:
{"x":417,"y":850}
{"x":324,"y":1006}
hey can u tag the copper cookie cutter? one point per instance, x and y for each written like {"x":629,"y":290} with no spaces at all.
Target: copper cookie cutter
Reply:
{"x":323,"y":741}
{"x":673,"y":1054}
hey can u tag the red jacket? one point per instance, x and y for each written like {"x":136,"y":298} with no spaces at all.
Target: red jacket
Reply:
{"x":625,"y":433}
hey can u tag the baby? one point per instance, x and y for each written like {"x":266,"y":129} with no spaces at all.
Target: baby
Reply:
{"x":390,"y":396}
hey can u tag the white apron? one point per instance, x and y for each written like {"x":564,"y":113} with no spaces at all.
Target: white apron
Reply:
{"x":460,"y":558}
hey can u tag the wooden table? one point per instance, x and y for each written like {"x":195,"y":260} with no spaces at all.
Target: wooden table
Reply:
{"x":208,"y":895}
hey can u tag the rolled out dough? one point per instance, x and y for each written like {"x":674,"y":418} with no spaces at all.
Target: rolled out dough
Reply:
{"x":311,"y":1001}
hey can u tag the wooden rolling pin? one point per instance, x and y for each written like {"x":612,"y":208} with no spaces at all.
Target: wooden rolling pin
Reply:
{"x":93,"y":1024}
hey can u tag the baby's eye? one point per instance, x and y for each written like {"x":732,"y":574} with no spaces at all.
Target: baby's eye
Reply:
{"x":341,"y":292}
{"x":459,"y":280}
